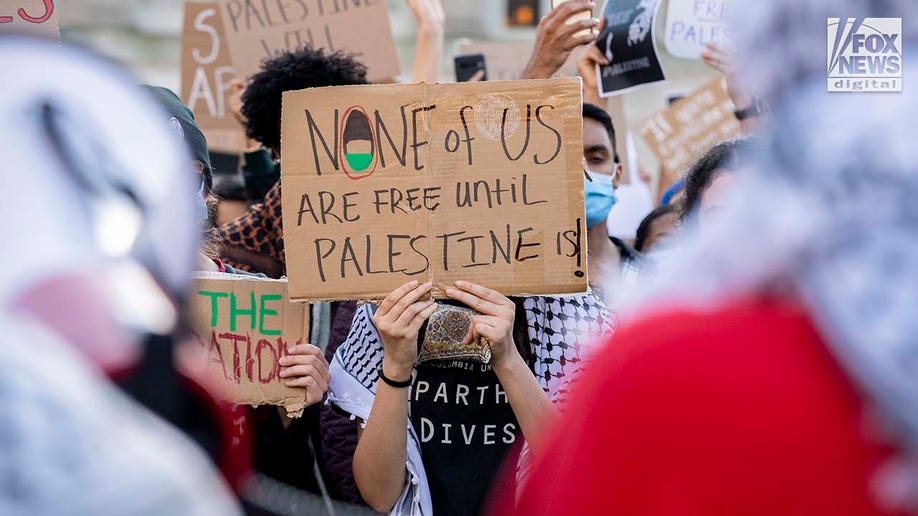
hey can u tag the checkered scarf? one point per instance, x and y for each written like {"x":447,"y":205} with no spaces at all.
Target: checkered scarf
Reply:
{"x":560,"y":331}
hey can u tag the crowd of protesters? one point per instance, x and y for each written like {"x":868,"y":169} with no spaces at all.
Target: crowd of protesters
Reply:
{"x":751,"y":350}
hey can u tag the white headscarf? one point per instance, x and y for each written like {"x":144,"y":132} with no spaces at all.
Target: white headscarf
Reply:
{"x":829,"y":210}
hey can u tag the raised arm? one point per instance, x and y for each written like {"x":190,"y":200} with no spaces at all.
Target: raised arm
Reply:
{"x":382,"y":449}
{"x":531,"y":405}
{"x":556,"y":39}
{"x":429,"y":46}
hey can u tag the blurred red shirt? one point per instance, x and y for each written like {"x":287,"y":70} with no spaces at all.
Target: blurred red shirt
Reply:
{"x":738,"y":411}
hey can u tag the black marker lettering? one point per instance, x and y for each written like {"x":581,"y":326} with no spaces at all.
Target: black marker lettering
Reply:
{"x":538,"y":116}
{"x":520,"y":245}
{"x":503,"y":133}
{"x":526,"y":201}
{"x":321,"y":256}
{"x":382,"y":129}
{"x":445,"y":237}
{"x":313,"y":130}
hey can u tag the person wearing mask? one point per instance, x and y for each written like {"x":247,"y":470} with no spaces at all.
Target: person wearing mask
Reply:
{"x":772,"y":370}
{"x":281,"y":448}
{"x":613,"y":264}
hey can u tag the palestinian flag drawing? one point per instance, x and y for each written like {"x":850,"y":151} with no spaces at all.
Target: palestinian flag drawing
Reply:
{"x":358,"y":145}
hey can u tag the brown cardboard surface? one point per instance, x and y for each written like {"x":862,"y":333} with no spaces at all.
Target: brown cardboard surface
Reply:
{"x":206,"y":75}
{"x":418,"y":142}
{"x":506,"y":61}
{"x":257,"y":29}
{"x":245,"y":346}
{"x":680,"y":134}
{"x":35,"y":17}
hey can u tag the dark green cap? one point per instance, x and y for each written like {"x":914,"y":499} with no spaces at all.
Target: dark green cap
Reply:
{"x":183,"y":122}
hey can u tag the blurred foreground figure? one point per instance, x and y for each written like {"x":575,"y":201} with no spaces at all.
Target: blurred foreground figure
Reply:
{"x":100,"y":224}
{"x":775,"y":371}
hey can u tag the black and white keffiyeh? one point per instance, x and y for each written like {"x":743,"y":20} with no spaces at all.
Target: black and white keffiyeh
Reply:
{"x":560,"y":332}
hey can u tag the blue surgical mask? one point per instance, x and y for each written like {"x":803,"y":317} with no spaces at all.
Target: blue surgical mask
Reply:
{"x":599,"y":197}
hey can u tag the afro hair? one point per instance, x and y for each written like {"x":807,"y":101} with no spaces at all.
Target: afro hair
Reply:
{"x":304,"y":68}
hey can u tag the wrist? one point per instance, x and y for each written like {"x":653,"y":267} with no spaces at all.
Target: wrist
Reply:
{"x":430,"y":28}
{"x":536,"y":72}
{"x":509,"y":363}
{"x":395,"y":371}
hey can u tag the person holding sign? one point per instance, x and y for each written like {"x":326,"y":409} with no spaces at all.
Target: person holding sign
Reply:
{"x":614,"y":265}
{"x":254,"y":242}
{"x":463,"y":416}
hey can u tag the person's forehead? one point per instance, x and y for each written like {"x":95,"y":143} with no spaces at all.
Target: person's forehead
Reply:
{"x":594,"y":133}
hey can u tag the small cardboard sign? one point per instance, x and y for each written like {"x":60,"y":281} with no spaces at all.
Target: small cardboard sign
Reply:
{"x":690,"y":24}
{"x":480,"y":182}
{"x":680,"y":134}
{"x":629,"y":43}
{"x":257,"y":29}
{"x":206,"y":76}
{"x":247,"y":324}
{"x":506,"y":61}
{"x":34,"y":17}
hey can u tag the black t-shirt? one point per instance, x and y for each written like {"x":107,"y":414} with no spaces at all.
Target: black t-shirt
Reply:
{"x":466,"y":426}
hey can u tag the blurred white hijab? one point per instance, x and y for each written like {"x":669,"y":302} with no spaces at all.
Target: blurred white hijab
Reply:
{"x":829,"y":210}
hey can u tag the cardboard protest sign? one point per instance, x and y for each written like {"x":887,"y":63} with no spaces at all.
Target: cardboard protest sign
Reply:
{"x":506,"y":61}
{"x":629,"y":43}
{"x":680,"y":134}
{"x":256,"y":30}
{"x":436,"y":182}
{"x":34,"y":17}
{"x":247,"y":324}
{"x":690,"y":24}
{"x":206,"y":76}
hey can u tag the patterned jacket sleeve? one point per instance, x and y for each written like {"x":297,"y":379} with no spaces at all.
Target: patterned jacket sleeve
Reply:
{"x":254,"y":242}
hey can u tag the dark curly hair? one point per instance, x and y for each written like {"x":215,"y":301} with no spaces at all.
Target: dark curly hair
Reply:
{"x":724,"y":157}
{"x":304,"y":68}
{"x":643,"y":230}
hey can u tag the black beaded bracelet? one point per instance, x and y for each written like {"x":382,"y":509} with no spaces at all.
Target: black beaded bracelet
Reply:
{"x":392,"y":383}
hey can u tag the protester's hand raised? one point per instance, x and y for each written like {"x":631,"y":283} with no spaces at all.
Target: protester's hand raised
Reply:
{"x":234,"y":99}
{"x":555,"y":39}
{"x":721,"y":58}
{"x":428,"y":14}
{"x":586,"y":66}
{"x":494,"y":321}
{"x":398,"y":320}
{"x":305,"y":366}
